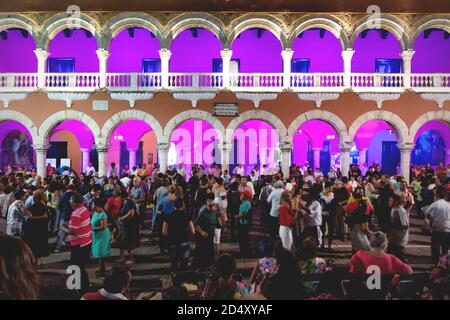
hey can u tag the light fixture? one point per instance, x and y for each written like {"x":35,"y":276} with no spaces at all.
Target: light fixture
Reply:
{"x":331,"y":137}
{"x":120,"y":138}
{"x":299,"y":131}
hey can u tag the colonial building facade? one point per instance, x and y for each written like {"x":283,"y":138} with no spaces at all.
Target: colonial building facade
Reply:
{"x":80,"y":77}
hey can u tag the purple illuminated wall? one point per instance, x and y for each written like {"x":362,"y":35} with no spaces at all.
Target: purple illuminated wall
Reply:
{"x":78,"y":46}
{"x":266,"y":141}
{"x":192,"y":140}
{"x":258,"y":54}
{"x":7,"y":127}
{"x":324,"y":54}
{"x":431,"y":54}
{"x":190,"y":54}
{"x":79,"y":130}
{"x":316,"y":133}
{"x":126,"y":53}
{"x":371,"y":48}
{"x":16,"y":53}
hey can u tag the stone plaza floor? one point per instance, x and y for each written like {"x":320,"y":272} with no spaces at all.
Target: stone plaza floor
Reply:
{"x":152,"y":270}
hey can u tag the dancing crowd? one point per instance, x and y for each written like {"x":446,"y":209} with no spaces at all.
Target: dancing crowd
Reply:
{"x":302,"y":214}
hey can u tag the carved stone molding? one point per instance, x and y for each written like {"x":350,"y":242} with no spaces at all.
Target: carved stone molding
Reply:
{"x":318,"y":97}
{"x":7,"y":97}
{"x":131,"y":97}
{"x":69,"y":97}
{"x":256,"y":97}
{"x":439,"y":98}
{"x":379,"y":98}
{"x":194,"y":97}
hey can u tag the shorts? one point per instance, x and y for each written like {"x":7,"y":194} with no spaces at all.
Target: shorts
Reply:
{"x":217,"y":234}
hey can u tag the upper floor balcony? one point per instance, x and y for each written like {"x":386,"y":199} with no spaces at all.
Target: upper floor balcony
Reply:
{"x":132,"y":54}
{"x":236,"y":82}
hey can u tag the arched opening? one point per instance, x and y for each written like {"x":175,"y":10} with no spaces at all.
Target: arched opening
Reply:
{"x":73,"y":50}
{"x":377,"y":50}
{"x":196,"y":50}
{"x":16,"y":145}
{"x":376,"y":145}
{"x":432,"y":49}
{"x":17,"y":51}
{"x":255,"y":143}
{"x":256,"y":50}
{"x":134,"y":50}
{"x":71,"y":144}
{"x":316,"y":144}
{"x":192,"y":142}
{"x":316,"y":50}
{"x":431,"y":144}
{"x":133,"y":144}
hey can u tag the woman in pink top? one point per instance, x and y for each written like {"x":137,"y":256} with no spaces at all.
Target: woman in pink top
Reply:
{"x":388,"y":264}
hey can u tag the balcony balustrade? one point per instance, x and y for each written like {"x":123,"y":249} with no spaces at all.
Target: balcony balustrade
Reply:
{"x":238,"y":82}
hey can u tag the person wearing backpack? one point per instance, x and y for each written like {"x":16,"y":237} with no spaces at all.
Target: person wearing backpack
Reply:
{"x":359,"y":210}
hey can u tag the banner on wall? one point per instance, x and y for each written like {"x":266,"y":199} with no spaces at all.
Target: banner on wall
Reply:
{"x":225,"y":110}
{"x":16,"y":149}
{"x":65,"y":162}
{"x":52,"y":162}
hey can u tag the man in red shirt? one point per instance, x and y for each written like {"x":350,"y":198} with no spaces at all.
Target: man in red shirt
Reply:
{"x":79,"y":231}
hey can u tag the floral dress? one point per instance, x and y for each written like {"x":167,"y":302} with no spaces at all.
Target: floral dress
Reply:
{"x":315,"y":265}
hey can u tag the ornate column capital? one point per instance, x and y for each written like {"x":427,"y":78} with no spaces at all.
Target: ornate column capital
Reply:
{"x":226,"y":53}
{"x":41,"y":53}
{"x":103,"y":54}
{"x":102,"y":147}
{"x":405,"y":147}
{"x":287,"y":53}
{"x":40,"y":147}
{"x":163,"y":146}
{"x":165,"y":54}
{"x":347,"y":53}
{"x":407,"y":54}
{"x":346,"y":146}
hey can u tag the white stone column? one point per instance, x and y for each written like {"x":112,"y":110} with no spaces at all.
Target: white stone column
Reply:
{"x":405,"y":160}
{"x":226,"y":55}
{"x":347,"y":57}
{"x":41,"y":56}
{"x":165,"y":55}
{"x":407,"y":56}
{"x":345,"y":160}
{"x":286,"y":159}
{"x":132,"y":158}
{"x":316,"y":153}
{"x":41,"y":156}
{"x":287,"y":58}
{"x":102,"y":150}
{"x":225,"y":156}
{"x":103,"y":56}
{"x":163,"y":156}
{"x":362,"y":155}
{"x":86,"y":153}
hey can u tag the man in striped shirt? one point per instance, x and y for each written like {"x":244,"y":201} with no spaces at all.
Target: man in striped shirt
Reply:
{"x":79,"y":230}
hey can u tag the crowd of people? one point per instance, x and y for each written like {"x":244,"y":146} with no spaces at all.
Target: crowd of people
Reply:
{"x":302,"y":214}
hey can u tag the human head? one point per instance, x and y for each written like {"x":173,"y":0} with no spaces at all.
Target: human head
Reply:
{"x":76,"y":200}
{"x":225,"y":266}
{"x":378,"y":241}
{"x":308,"y":249}
{"x":394,"y":200}
{"x":117,"y":280}
{"x":18,"y":277}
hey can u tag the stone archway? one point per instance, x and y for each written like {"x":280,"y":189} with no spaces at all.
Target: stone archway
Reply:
{"x":441,"y":115}
{"x":6,"y":115}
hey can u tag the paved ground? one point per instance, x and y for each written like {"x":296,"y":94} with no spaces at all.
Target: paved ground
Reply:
{"x":151,"y":267}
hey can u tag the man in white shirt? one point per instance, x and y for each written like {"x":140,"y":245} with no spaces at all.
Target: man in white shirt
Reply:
{"x":239,"y":170}
{"x":274,"y":199}
{"x":125,"y":180}
{"x":439,"y":215}
{"x":90,"y":170}
{"x":318,"y":173}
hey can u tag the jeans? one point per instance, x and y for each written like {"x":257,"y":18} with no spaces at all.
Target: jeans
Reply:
{"x":440,"y":244}
{"x":179,"y":255}
{"x":61,"y":235}
{"x":155,"y":218}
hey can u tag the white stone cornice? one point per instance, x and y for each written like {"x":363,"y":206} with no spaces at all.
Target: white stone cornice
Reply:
{"x":7,"y":97}
{"x":379,"y":98}
{"x":194,"y":97}
{"x":131,"y":97}
{"x":256,"y":97}
{"x":68,"y":97}
{"x":318,"y":97}
{"x":226,"y":53}
{"x":439,"y":98}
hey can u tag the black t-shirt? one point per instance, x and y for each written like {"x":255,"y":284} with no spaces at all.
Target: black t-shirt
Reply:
{"x":177,"y":226}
